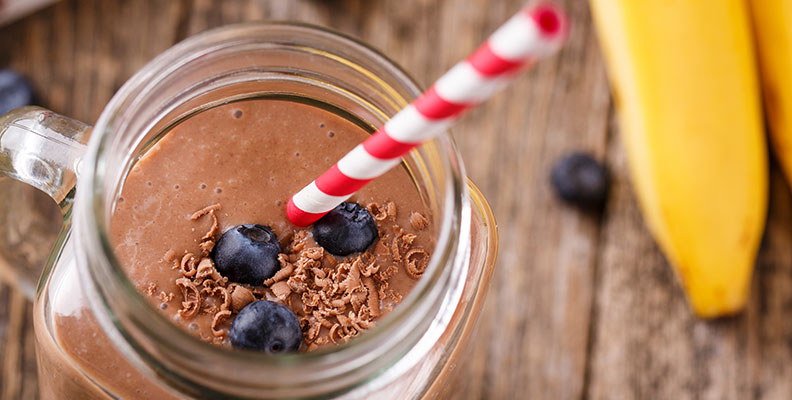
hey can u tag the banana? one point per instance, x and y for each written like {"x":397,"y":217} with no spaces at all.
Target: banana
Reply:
{"x":685,"y":86}
{"x":773,"y":32}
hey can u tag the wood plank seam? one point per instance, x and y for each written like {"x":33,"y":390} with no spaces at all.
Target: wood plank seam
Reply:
{"x":594,"y":312}
{"x":183,"y":20}
{"x":12,"y":361}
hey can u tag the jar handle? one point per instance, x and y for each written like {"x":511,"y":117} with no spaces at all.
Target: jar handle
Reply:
{"x":42,"y":149}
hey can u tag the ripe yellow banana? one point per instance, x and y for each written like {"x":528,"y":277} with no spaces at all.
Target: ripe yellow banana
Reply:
{"x":773,"y":30}
{"x":686,"y":89}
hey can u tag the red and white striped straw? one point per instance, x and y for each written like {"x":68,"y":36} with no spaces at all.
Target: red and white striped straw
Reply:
{"x":534,"y":33}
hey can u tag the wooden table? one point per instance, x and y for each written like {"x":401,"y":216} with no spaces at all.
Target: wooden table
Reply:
{"x":581,"y":305}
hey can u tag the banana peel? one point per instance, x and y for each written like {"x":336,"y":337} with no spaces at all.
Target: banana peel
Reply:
{"x":686,"y":90}
{"x":772,"y":24}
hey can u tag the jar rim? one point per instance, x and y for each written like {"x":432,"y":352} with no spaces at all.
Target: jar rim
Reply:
{"x":106,"y":275}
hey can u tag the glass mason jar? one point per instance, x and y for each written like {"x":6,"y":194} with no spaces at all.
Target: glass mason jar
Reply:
{"x":97,"y":337}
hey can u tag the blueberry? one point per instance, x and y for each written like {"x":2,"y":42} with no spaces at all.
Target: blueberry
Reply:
{"x":581,"y":180}
{"x":247,"y":254}
{"x":266,"y":326}
{"x":347,"y":229}
{"x":15,"y":91}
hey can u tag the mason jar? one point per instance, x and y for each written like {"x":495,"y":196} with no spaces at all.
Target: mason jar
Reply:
{"x":97,"y":337}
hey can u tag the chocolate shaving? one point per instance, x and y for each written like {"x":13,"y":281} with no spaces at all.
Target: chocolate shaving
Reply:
{"x":397,"y":298}
{"x":151,"y":289}
{"x":220,"y":316}
{"x":378,"y":213}
{"x":395,"y":250}
{"x":209,"y":236}
{"x":338,"y":303}
{"x":318,"y":315}
{"x":321,"y":282}
{"x":333,"y":330}
{"x":260,"y":291}
{"x":214,"y":294}
{"x":206,"y":247}
{"x":373,"y":296}
{"x":364,"y":313}
{"x":169,"y":257}
{"x":355,"y":322}
{"x":313,"y":253}
{"x":369,"y":269}
{"x":330,"y":260}
{"x":208,"y":283}
{"x":313,"y":332}
{"x":345,"y":323}
{"x":298,"y":242}
{"x":281,"y":290}
{"x":191,"y":302}
{"x":297,"y":284}
{"x":418,"y":221}
{"x":240,"y":297}
{"x":310,"y":299}
{"x":358,"y":298}
{"x":383,"y":286}
{"x":415,"y":262}
{"x":406,"y":241}
{"x":188,"y":265}
{"x":206,"y":210}
{"x":352,"y":280}
{"x":363,"y":324}
{"x":398,"y":231}
{"x":304,"y":323}
{"x":223,"y":292}
{"x":284,"y":272}
{"x":392,"y":210}
{"x":206,"y":270}
{"x":208,"y":240}
{"x":165,"y":297}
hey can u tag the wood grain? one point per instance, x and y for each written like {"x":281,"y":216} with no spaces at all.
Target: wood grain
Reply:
{"x":17,"y":358}
{"x":581,"y":306}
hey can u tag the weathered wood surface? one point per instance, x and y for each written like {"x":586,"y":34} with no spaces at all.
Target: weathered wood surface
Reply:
{"x":581,"y":306}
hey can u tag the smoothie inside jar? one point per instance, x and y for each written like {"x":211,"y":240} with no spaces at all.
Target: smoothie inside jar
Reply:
{"x":238,"y":164}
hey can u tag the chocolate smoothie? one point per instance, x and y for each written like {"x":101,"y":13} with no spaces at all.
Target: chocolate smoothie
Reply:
{"x":238,"y":164}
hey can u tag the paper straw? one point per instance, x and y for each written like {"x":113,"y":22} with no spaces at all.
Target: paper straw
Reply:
{"x":536,"y":32}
